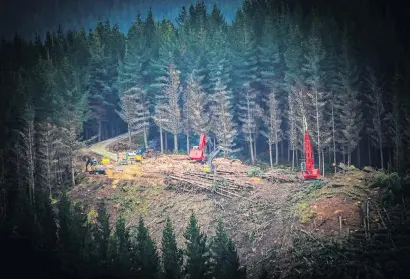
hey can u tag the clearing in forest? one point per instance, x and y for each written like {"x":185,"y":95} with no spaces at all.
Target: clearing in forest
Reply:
{"x":260,"y":208}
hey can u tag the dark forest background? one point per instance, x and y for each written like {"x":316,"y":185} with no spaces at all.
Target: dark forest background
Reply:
{"x":343,"y":67}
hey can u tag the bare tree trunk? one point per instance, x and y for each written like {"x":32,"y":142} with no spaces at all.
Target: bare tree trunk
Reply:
{"x":369,"y":151}
{"x":72,"y":171}
{"x":349,"y":157}
{"x":281,"y":149}
{"x":187,"y":143}
{"x":3,"y":193}
{"x":277,"y":153}
{"x":146,"y":136}
{"x":166,"y":140}
{"x":289,"y":151}
{"x":333,"y":136}
{"x":381,"y":155}
{"x":99,"y":130}
{"x":293,"y":159}
{"x":162,"y":139}
{"x":251,"y":149}
{"x":270,"y":155}
{"x":318,"y":127}
{"x":175,"y":143}
{"x":30,"y":161}
{"x":129,"y":136}
{"x":254,"y":146}
{"x":323,"y":161}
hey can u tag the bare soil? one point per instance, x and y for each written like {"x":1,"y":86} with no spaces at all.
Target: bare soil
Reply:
{"x":259,"y":218}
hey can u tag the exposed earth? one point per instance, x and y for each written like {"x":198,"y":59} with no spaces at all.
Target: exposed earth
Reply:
{"x":259,"y":207}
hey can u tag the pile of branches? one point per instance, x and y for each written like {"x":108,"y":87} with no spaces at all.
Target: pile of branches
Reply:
{"x":381,"y":251}
{"x":227,"y":186}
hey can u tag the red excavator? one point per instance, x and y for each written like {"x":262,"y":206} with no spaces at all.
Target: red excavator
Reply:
{"x":197,"y":153}
{"x":309,"y":171}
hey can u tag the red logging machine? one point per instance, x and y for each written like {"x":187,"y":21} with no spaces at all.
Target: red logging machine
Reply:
{"x":197,"y":153}
{"x":310,"y":172}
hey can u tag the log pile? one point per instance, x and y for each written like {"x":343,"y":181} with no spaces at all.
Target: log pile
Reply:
{"x":229,"y":186}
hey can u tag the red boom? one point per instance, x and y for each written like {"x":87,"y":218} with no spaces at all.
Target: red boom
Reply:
{"x":310,"y":172}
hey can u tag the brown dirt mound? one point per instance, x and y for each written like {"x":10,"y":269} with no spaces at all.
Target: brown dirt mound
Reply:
{"x":331,"y":215}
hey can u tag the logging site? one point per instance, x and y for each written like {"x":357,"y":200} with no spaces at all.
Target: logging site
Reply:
{"x":263,"y":207}
{"x":206,"y":139}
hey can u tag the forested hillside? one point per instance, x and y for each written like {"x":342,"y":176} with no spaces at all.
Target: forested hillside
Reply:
{"x":248,"y":84}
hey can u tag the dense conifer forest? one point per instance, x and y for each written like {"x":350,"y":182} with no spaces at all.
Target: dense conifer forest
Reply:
{"x":247,"y":84}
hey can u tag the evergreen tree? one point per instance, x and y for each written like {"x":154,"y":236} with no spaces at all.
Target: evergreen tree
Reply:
{"x":122,"y":255}
{"x":102,"y":233}
{"x":97,"y":86}
{"x":195,"y":116}
{"x":250,"y":112}
{"x":168,"y":113}
{"x":197,"y":251}
{"x":222,"y":116}
{"x":226,"y":260}
{"x":317,"y":97}
{"x":376,"y":127}
{"x":172,"y":259}
{"x":147,"y":260}
{"x":272,"y":121}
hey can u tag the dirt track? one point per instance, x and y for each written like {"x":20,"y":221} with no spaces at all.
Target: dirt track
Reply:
{"x":101,"y":148}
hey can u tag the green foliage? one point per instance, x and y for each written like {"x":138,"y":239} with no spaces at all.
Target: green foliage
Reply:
{"x":226,"y":262}
{"x":172,"y":256}
{"x":102,"y":235}
{"x":255,"y":171}
{"x":390,"y":186}
{"x":146,"y":252}
{"x":197,"y":252}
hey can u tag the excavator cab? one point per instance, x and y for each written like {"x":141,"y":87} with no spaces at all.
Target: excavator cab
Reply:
{"x":197,"y":153}
{"x":96,"y":168}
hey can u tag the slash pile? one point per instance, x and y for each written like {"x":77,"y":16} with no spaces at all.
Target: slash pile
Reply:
{"x":225,"y":185}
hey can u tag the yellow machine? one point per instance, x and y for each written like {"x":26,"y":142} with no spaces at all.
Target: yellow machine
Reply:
{"x":105,"y":161}
{"x":95,"y":167}
{"x":209,"y":166}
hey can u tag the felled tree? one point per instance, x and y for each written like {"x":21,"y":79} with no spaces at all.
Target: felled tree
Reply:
{"x":376,"y":113}
{"x":172,"y":257}
{"x":222,"y":122}
{"x":195,"y":116}
{"x":272,"y":122}
{"x":197,"y":251}
{"x":249,"y":113}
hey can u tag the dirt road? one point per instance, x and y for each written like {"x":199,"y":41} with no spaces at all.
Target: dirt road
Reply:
{"x":101,"y":148}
